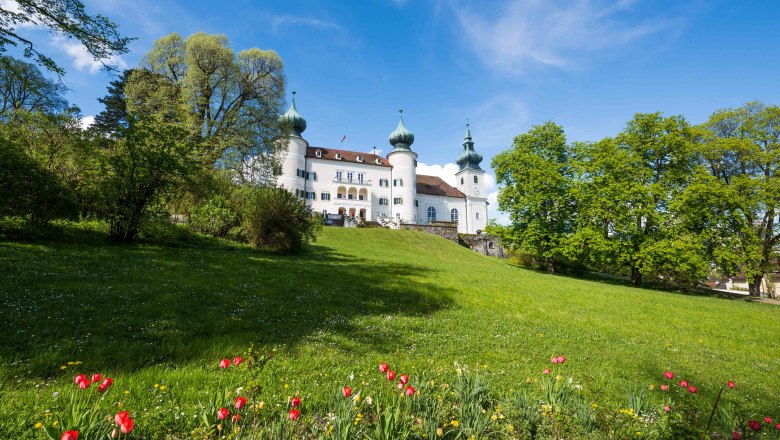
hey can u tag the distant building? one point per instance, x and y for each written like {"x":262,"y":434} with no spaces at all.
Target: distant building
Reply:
{"x":386,"y":189}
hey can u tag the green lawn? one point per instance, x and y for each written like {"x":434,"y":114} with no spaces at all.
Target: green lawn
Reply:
{"x":148,"y":314}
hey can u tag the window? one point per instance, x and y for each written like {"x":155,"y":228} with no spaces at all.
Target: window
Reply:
{"x":325,"y":196}
{"x":360,"y":177}
{"x":477,"y":216}
{"x":491,"y":245}
{"x":318,"y":153}
{"x":476,"y":179}
{"x":378,"y":161}
{"x":338,"y":156}
{"x":383,"y":201}
{"x":349,"y":176}
{"x":360,"y":158}
{"x":350,"y":196}
{"x":398,"y":201}
{"x":398,"y":182}
{"x":361,"y":197}
{"x":311,"y":195}
{"x":416,"y":203}
{"x":383,"y":182}
{"x":398,"y":215}
{"x":311,"y":176}
{"x":324,"y":212}
{"x":461,"y":181}
{"x":454,"y":216}
{"x":338,"y":175}
{"x":431,"y":214}
{"x":301,"y":173}
{"x":339,"y":196}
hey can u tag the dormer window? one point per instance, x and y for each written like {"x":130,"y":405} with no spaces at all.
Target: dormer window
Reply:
{"x":318,"y":153}
{"x":360,"y":158}
{"x":338,"y":156}
{"x":378,"y":161}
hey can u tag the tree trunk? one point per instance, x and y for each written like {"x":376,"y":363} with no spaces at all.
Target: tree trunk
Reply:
{"x":636,"y":277}
{"x":550,"y":264}
{"x":754,"y":286}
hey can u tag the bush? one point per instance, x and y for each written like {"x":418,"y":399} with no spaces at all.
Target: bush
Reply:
{"x":31,"y":191}
{"x":275,"y":219}
{"x":214,"y":216}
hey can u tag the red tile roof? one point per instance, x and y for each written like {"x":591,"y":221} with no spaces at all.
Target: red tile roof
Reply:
{"x":435,"y":186}
{"x":347,"y":156}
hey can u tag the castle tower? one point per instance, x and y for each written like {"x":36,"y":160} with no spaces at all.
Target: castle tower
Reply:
{"x":471,"y":181}
{"x":294,"y":156}
{"x":404,"y":182}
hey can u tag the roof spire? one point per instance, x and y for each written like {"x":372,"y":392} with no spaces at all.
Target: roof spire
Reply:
{"x":469,"y":159}
{"x":401,"y":139}
{"x":293,"y":119}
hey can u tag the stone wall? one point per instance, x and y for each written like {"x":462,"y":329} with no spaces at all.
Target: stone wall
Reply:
{"x":485,"y":244}
{"x":450,"y":232}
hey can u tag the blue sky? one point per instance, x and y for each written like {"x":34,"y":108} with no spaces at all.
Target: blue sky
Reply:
{"x":588,"y":65}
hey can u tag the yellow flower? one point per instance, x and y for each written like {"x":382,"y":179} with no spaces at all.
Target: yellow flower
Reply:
{"x":63,"y":367}
{"x":652,"y":387}
{"x":286,"y":386}
{"x":127,"y":391}
{"x":55,"y":423}
{"x":357,"y":397}
{"x":47,"y":414}
{"x":439,"y":432}
{"x":162,"y":388}
{"x":594,"y":405}
{"x":454,"y":423}
{"x":157,"y":385}
{"x":558,"y":378}
{"x":511,"y":428}
{"x":38,"y":425}
{"x":639,"y":433}
{"x":494,"y":417}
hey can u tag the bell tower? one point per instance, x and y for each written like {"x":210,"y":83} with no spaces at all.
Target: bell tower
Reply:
{"x":404,"y":181}
{"x":471,"y":182}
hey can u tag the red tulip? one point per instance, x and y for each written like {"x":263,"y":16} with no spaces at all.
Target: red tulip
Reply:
{"x":222,"y":413}
{"x":736,"y":436}
{"x":404,"y":379}
{"x":730,"y":384}
{"x":554,"y":359}
{"x":102,"y":389}
{"x":692,"y":389}
{"x":400,"y":386}
{"x":236,"y":418}
{"x":127,"y":426}
{"x":107,"y":382}
{"x":391,"y":375}
{"x":70,"y":435}
{"x":664,"y":387}
{"x":84,"y":384}
{"x":295,"y":402}
{"x":294,"y":414}
{"x":669,"y":375}
{"x":79,"y":378}
{"x":224,"y":363}
{"x":777,"y":426}
{"x":346,"y":391}
{"x":547,"y":371}
{"x":121,"y":416}
{"x":240,"y":402}
{"x":410,"y":390}
{"x":666,"y":408}
{"x":561,"y":359}
{"x":237,"y":360}
{"x":383,"y":367}
{"x":754,"y":425}
{"x":684,"y":383}
{"x":768,"y":420}
{"x":96,"y":377}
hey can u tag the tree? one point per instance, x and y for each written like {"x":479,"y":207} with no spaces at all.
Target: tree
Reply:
{"x":23,"y":87}
{"x":114,"y":116}
{"x":627,"y":185}
{"x":536,"y":178}
{"x":99,"y":35}
{"x":275,"y":219}
{"x":234,"y":99}
{"x":735,"y":198}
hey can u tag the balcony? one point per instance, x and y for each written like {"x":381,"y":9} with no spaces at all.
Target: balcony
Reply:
{"x":352,"y":181}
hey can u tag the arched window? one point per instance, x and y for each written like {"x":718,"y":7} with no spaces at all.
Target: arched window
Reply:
{"x":476,"y":179}
{"x":431,"y":214}
{"x":454,"y":215}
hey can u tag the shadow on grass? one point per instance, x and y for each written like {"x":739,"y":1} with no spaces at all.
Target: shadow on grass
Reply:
{"x":124,"y":307}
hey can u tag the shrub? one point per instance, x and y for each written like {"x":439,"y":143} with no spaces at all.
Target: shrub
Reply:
{"x":275,"y":219}
{"x":214,"y":216}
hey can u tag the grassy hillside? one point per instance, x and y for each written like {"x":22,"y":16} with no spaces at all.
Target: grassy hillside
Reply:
{"x":158,"y":314}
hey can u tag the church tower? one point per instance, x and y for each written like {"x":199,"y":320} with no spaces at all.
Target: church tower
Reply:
{"x":471,"y":182}
{"x":294,"y":158}
{"x":404,"y":182}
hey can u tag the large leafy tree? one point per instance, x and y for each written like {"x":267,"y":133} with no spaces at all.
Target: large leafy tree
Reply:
{"x":233,"y":98}
{"x":114,"y":116}
{"x":69,"y":18}
{"x":627,"y":185}
{"x":536,"y":177}
{"x":23,"y":87}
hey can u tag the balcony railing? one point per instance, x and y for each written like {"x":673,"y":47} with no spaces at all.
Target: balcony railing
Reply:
{"x":352,"y":181}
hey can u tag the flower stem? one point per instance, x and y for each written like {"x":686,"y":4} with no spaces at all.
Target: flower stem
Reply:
{"x":717,"y":400}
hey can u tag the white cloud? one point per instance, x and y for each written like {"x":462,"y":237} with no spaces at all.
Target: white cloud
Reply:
{"x":86,"y":121}
{"x":446,"y":171}
{"x":82,"y":59}
{"x":13,"y":6}
{"x":560,"y":33}
{"x":305,"y":21}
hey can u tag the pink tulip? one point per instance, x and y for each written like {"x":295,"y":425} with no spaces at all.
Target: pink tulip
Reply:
{"x":295,"y":402}
{"x":236,"y":418}
{"x":391,"y":375}
{"x":666,"y":408}
{"x":730,"y":384}
{"x":664,"y":387}
{"x":777,"y":426}
{"x":561,"y":359}
{"x":669,"y":375}
{"x":768,"y":420}
{"x":410,"y":390}
{"x":400,"y":386}
{"x":692,"y":389}
{"x":383,"y":367}
{"x":224,"y":363}
{"x":222,"y":413}
{"x":240,"y":402}
{"x":554,"y":359}
{"x":404,"y":379}
{"x":684,"y":383}
{"x":754,"y":425}
{"x":79,"y":378}
{"x":346,"y":391}
{"x":294,"y":414}
{"x":547,"y":371}
{"x":736,"y":436}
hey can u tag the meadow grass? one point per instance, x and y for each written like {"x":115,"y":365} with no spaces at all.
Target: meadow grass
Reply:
{"x":153,"y":313}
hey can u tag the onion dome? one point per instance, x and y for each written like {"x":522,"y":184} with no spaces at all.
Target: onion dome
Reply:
{"x":293,"y":119}
{"x":401,"y":139}
{"x":469,"y":159}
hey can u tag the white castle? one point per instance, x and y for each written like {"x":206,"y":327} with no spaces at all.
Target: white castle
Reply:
{"x":387,"y":189}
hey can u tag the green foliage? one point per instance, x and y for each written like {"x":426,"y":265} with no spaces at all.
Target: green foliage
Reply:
{"x":275,"y":219}
{"x":23,"y":87}
{"x":214,"y":216}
